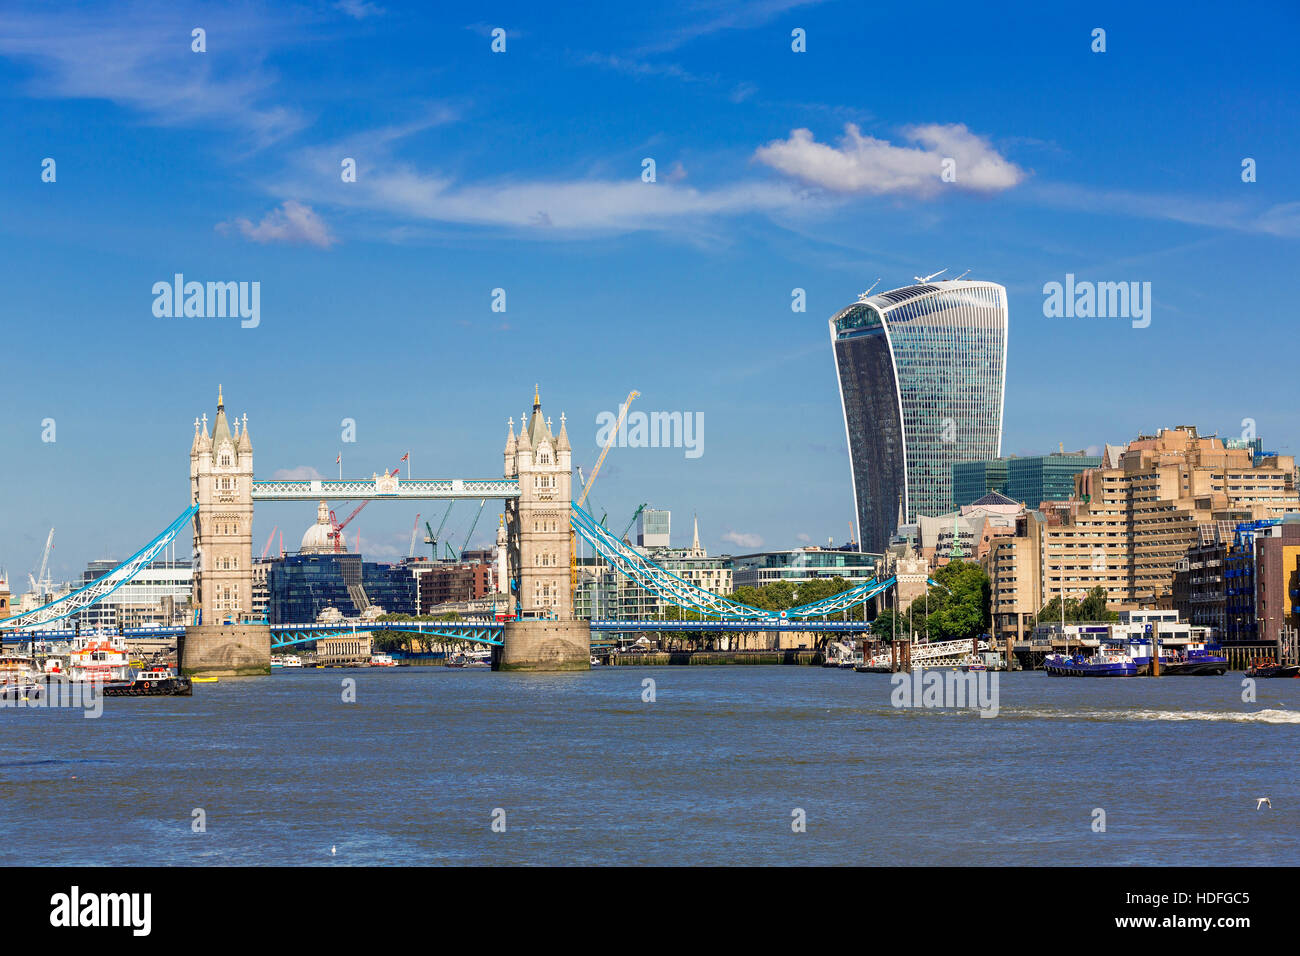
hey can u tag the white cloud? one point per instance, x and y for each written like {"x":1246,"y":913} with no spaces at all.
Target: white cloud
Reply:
{"x":542,"y":205}
{"x":864,"y":164}
{"x":742,"y":539}
{"x":292,"y":222}
{"x":300,"y":473}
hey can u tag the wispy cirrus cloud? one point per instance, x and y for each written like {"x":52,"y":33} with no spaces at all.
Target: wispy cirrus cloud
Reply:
{"x":1282,"y":219}
{"x":864,"y":164}
{"x":142,"y":59}
{"x":291,"y":222}
{"x":714,"y":16}
{"x":360,"y":9}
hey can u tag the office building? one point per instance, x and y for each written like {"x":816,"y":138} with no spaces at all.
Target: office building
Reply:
{"x":1038,"y":478}
{"x":972,"y":480}
{"x":653,"y":527}
{"x":1277,"y":578}
{"x":802,"y":564}
{"x":300,"y":586}
{"x":921,"y":373}
{"x":1131,"y":526}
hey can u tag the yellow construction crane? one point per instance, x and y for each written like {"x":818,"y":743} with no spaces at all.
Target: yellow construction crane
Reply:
{"x":573,"y":538}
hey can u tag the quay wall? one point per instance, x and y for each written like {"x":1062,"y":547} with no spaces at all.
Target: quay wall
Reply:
{"x":660,"y":658}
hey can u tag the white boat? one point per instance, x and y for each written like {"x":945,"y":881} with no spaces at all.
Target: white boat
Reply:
{"x":289,"y":660}
{"x":277,"y":660}
{"x":382,"y":660}
{"x":14,"y":668}
{"x":97,"y":658}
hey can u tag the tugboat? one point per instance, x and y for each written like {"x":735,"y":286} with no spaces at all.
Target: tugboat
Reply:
{"x":154,"y":681}
{"x":1268,"y":667}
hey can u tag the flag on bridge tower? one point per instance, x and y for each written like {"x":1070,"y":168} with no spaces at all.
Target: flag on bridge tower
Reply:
{"x":407,"y":458}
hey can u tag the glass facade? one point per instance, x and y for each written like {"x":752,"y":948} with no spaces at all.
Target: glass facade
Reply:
{"x":921,"y":373}
{"x":972,"y":480}
{"x":300,"y":586}
{"x":803,"y":564}
{"x":1046,"y":477}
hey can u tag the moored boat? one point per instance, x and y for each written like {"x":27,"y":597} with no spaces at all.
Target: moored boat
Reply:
{"x":156,"y":681}
{"x":1268,"y":667}
{"x":1198,"y":660}
{"x":1105,"y":663}
{"x":99,"y":659}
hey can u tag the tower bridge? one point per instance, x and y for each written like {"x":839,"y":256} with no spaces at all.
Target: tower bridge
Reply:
{"x":536,"y":487}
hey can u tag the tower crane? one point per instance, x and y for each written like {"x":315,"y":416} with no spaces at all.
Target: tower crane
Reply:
{"x":336,"y":532}
{"x":432,"y":536}
{"x":269,"y":539}
{"x":414,"y":528}
{"x":636,"y":514}
{"x":41,"y":582}
{"x":613,"y":436}
{"x":473,"y":524}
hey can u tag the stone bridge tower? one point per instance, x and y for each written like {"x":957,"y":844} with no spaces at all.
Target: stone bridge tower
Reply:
{"x":221,"y":484}
{"x":544,"y":635}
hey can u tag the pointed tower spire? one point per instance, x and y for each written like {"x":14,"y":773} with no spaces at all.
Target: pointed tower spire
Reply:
{"x":245,"y":443}
{"x":220,"y":427}
{"x":524,"y":441}
{"x":562,"y":440}
{"x":695,"y":541}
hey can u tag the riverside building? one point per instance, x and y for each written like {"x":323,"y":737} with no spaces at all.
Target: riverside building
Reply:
{"x":1131,"y":526}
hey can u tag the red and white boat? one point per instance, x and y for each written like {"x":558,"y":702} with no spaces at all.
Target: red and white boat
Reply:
{"x":99,"y":659}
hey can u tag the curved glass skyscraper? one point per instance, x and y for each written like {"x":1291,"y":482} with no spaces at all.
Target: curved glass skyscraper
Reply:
{"x":922,"y":373}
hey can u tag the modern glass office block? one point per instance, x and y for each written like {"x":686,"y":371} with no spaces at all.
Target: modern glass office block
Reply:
{"x":922,"y":373}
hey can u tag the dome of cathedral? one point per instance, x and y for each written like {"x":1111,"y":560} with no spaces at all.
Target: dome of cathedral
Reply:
{"x":317,"y":539}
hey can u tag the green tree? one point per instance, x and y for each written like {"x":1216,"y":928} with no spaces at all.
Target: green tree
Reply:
{"x":959,"y":609}
{"x":1091,"y":608}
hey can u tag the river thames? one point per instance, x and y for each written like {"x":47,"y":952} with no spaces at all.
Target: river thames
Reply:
{"x":713,"y":771}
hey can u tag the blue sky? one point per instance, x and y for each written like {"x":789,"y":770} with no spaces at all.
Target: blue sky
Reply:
{"x":522,"y":170}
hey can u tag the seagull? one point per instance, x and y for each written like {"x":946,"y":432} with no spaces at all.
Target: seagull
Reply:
{"x":1260,"y":803}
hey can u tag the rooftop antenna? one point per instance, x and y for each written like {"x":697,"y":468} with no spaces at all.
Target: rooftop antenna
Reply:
{"x":930,"y":276}
{"x":863,"y":295}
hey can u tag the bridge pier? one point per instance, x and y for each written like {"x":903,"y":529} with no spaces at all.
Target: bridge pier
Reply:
{"x":544,"y":646}
{"x":225,"y":650}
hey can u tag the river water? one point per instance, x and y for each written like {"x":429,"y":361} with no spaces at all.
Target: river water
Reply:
{"x":580,"y":769}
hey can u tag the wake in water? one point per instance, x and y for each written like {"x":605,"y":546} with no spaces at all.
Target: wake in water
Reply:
{"x":1267,"y":716}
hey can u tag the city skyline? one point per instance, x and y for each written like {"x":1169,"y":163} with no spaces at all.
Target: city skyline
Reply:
{"x":523,"y":171}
